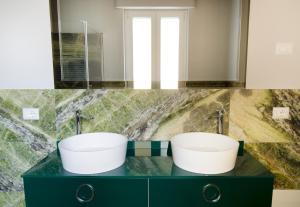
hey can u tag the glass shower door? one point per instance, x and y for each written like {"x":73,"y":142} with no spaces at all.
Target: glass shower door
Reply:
{"x":81,"y":55}
{"x":94,"y":56}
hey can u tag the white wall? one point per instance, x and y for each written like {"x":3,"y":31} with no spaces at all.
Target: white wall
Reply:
{"x":272,"y":22}
{"x":103,"y":17}
{"x":286,"y":198}
{"x":25,"y":40}
{"x":212,"y":40}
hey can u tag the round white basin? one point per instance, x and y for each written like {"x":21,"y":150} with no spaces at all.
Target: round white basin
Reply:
{"x":204,"y":153}
{"x":93,"y":153}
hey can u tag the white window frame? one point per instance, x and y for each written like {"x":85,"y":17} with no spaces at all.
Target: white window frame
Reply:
{"x":156,"y":16}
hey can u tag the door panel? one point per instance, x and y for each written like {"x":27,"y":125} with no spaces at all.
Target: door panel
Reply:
{"x":77,"y":192}
{"x":211,"y":192}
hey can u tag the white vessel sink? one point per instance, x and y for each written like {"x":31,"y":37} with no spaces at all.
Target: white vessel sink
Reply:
{"x":204,"y":153}
{"x":93,"y":153}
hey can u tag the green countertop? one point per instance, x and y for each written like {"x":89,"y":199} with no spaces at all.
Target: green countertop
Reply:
{"x":141,"y":167}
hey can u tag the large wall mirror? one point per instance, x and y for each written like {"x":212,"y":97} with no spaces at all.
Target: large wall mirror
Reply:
{"x":146,"y":44}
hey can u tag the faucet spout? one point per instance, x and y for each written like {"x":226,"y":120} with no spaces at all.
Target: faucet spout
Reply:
{"x":220,"y":124}
{"x":78,"y":118}
{"x":78,"y":122}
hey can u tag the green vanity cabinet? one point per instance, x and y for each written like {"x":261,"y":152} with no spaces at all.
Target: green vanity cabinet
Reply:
{"x":87,"y":192}
{"x":218,"y":192}
{"x":148,"y":182}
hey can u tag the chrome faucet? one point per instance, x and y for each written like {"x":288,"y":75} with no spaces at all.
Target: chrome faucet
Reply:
{"x":220,"y":124}
{"x":78,"y":118}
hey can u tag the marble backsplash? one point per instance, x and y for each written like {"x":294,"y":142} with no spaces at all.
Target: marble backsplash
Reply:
{"x":142,"y":114}
{"x":147,"y":115}
{"x":251,"y":116}
{"x":275,"y":143}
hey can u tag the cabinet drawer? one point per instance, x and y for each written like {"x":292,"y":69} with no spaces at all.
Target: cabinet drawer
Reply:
{"x":235,"y":192}
{"x":87,"y":192}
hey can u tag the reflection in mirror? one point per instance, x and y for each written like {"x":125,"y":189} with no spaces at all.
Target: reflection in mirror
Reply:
{"x":169,"y":52}
{"x":141,"y":52}
{"x":149,"y":44}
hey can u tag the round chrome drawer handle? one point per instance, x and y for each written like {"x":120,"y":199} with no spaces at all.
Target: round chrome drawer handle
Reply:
{"x":211,"y":193}
{"x":85,"y":193}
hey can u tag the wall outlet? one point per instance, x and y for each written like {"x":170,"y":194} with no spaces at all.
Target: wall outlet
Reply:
{"x":284,"y":48}
{"x":31,"y":114}
{"x":281,"y":113}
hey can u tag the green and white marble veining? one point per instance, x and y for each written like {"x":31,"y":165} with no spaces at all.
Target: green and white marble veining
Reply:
{"x":23,"y":143}
{"x":251,"y":116}
{"x":141,"y":114}
{"x":283,"y":159}
{"x":12,"y":102}
{"x":275,"y":143}
{"x":12,"y":199}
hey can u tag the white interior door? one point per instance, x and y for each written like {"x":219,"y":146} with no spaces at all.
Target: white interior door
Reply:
{"x":155,"y":47}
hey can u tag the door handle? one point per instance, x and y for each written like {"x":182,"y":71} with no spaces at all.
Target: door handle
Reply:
{"x":85,"y":193}
{"x":211,"y":193}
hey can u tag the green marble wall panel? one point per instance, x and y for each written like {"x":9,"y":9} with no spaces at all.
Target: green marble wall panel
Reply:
{"x":283,"y":159}
{"x":251,"y":116}
{"x":141,"y":114}
{"x":12,"y":199}
{"x":12,"y":102}
{"x":23,"y":143}
{"x":275,"y":143}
